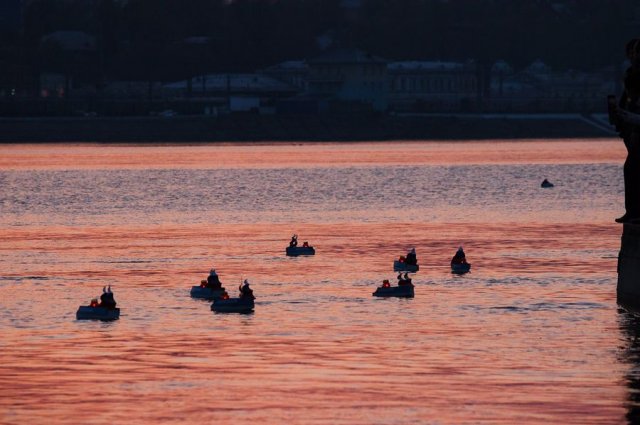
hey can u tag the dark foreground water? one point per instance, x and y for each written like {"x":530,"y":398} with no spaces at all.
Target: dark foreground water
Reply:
{"x":531,"y":335}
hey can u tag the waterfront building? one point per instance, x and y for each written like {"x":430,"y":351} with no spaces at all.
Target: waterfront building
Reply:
{"x":350,"y":80}
{"x":432,"y":86}
{"x":256,"y":93}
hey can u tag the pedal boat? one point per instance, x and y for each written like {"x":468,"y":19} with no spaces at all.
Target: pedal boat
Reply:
{"x":294,"y":251}
{"x":461,"y":268}
{"x":204,"y":293}
{"x":401,"y":266}
{"x":233,"y":305}
{"x":403,"y":291}
{"x":86,"y":312}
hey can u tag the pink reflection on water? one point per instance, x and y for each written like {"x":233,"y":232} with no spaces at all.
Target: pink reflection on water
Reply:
{"x":531,"y":335}
{"x":47,"y":156}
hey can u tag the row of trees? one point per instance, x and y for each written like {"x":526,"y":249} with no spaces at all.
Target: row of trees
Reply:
{"x":173,"y":39}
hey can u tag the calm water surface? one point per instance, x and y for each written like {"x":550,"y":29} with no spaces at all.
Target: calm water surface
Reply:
{"x":532,"y":335}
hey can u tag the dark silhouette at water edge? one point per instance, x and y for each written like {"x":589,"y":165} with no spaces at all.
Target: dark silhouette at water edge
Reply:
{"x":306,"y":128}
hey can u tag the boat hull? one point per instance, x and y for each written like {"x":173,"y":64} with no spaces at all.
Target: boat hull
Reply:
{"x":233,"y":305}
{"x":460,"y":268}
{"x":97,"y":313}
{"x":206,"y":293}
{"x":399,"y":266}
{"x":405,"y":291}
{"x":294,"y":251}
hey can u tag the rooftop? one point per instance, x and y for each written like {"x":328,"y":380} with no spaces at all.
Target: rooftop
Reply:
{"x":234,"y":82}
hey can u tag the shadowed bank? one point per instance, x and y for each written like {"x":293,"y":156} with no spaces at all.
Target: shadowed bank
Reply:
{"x":366,"y":127}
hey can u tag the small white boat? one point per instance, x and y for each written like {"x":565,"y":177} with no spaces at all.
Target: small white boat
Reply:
{"x":460,"y":268}
{"x":206,"y":293}
{"x":294,"y":251}
{"x":233,"y":305}
{"x":401,"y":266}
{"x":404,"y":291}
{"x":86,"y":312}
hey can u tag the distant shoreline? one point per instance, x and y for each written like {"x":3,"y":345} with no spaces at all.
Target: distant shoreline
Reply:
{"x":321,"y":128}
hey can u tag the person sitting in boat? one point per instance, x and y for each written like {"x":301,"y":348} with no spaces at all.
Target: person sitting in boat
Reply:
{"x":411,"y":257}
{"x":213,"y":281}
{"x":305,"y":244}
{"x":106,"y":299}
{"x":104,"y":295}
{"x":294,"y":241}
{"x":246,"y":293}
{"x":459,"y":257}
{"x":386,"y":284}
{"x":224,"y":296}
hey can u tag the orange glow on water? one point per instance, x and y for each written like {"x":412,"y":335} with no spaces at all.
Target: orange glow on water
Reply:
{"x":307,"y":154}
{"x":531,"y":335}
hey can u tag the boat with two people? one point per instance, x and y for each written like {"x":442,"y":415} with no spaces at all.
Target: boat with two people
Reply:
{"x":243,"y":304}
{"x":209,"y":288}
{"x":403,"y":290}
{"x":105,"y":309}
{"x":293,"y":250}
{"x":407,"y":263}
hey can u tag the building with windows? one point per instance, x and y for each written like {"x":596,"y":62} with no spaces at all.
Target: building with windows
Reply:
{"x":295,"y":73}
{"x":255,"y":93}
{"x":350,"y":80}
{"x":539,"y":88}
{"x":429,"y":86}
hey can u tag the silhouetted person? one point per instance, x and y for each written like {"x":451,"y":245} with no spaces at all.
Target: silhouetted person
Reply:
{"x":411,"y":257}
{"x":213,"y":281}
{"x":246,"y":293}
{"x":106,"y":299}
{"x":294,"y":241}
{"x":459,"y":257}
{"x":103,"y":297}
{"x":628,"y":126}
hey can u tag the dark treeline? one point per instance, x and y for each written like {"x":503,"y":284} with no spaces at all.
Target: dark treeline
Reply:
{"x":173,"y":39}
